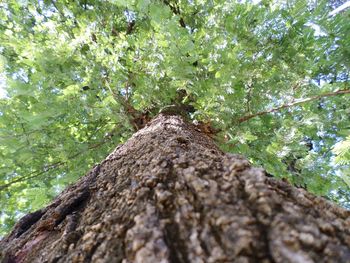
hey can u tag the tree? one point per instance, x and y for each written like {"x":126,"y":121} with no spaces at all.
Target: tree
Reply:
{"x":169,"y":194}
{"x":268,"y":80}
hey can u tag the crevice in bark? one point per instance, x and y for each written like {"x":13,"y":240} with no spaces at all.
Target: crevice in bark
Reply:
{"x":74,"y":204}
{"x":261,"y":227}
{"x":166,"y":207}
{"x":216,"y":234}
{"x":178,"y":251}
{"x":27,"y":221}
{"x":89,"y":255}
{"x":264,"y":233}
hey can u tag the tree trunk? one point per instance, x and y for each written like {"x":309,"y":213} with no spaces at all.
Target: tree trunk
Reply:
{"x":170,"y":195}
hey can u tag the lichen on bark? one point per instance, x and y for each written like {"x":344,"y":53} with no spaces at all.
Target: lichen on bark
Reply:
{"x":170,"y":195}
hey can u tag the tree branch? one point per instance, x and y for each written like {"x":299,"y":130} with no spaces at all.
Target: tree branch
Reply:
{"x":32,"y":175}
{"x":55,"y":165}
{"x":176,"y":10}
{"x":294,"y":103}
{"x":136,"y":118}
{"x":249,"y":97}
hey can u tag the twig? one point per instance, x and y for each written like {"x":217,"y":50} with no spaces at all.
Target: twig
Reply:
{"x":294,"y":103}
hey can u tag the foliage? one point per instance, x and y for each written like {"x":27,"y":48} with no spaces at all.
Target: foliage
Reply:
{"x":273,"y":77}
{"x":342,"y":151}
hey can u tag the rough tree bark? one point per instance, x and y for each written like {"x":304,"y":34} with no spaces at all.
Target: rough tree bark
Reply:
{"x":170,"y":195}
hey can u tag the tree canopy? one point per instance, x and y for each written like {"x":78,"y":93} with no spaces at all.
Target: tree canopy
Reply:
{"x":270,"y":78}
